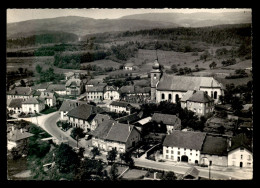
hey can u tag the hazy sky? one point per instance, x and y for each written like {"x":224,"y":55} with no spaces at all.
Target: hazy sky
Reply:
{"x":17,"y":15}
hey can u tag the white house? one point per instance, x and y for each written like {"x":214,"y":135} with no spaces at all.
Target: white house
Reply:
{"x":183,"y":146}
{"x":49,"y":98}
{"x":58,"y":88}
{"x":120,"y":107}
{"x":20,"y":92}
{"x":95,"y":93}
{"x":198,"y":101}
{"x":110,"y":134}
{"x":74,"y":87}
{"x":111,"y":93}
{"x":16,"y":137}
{"x":129,"y":66}
{"x":33,"y":105}
{"x":68,"y":105}
{"x":82,"y":115}
{"x":240,"y":153}
{"x":15,"y":105}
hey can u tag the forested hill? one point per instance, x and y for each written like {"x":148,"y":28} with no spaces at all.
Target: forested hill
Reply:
{"x":222,"y":34}
{"x":199,"y":19}
{"x":47,"y":38}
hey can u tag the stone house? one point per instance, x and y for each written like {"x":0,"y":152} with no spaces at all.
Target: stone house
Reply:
{"x":172,"y":122}
{"x":183,"y":146}
{"x":111,"y":93}
{"x":199,"y":102}
{"x":33,"y":105}
{"x":111,"y":134}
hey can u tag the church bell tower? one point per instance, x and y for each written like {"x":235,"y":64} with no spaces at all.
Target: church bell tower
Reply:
{"x":156,"y":74}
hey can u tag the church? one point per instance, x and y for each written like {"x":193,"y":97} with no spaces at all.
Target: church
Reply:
{"x":165,"y":87}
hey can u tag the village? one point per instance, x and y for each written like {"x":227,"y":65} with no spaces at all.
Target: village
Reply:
{"x":107,"y":118}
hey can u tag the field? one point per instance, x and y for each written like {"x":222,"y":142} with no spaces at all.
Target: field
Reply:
{"x":103,"y":64}
{"x":134,"y":174}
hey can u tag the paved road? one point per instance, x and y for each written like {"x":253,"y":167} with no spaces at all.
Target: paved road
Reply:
{"x":181,"y":169}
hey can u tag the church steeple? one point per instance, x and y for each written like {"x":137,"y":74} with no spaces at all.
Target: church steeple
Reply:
{"x":156,"y":74}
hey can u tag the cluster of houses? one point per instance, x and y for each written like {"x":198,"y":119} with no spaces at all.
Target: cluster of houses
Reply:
{"x":198,"y":94}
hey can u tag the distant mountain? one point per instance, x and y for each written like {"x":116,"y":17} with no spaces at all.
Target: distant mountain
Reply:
{"x":80,"y":26}
{"x":200,"y":19}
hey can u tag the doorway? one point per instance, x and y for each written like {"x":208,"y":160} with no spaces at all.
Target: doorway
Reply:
{"x":184,"y":158}
{"x":241,"y":164}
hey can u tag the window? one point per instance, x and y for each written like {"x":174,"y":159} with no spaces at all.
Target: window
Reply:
{"x":211,"y":94}
{"x":162,"y":95}
{"x":167,"y":151}
{"x":184,"y":149}
{"x":178,"y":153}
{"x":249,"y":157}
{"x":178,"y":148}
{"x":215,"y":95}
{"x":154,"y":76}
{"x":172,"y":152}
{"x":241,"y":156}
{"x":172,"y":157}
{"x":170,"y":96}
{"x":241,"y":149}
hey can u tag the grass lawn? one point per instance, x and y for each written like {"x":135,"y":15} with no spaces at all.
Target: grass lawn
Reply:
{"x":104,"y":63}
{"x":121,"y":169}
{"x":48,"y":111}
{"x":134,"y":174}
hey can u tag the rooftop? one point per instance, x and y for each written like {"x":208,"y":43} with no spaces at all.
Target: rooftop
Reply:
{"x":68,"y":105}
{"x":200,"y":96}
{"x":185,"y":83}
{"x":32,"y":100}
{"x":16,"y":135}
{"x":73,"y":82}
{"x":167,"y":119}
{"x":16,"y":103}
{"x":240,"y":140}
{"x":194,"y":172}
{"x":56,"y":87}
{"x":95,"y":89}
{"x":120,"y":103}
{"x":215,"y":145}
{"x":129,"y":118}
{"x":187,"y":139}
{"x":20,"y":91}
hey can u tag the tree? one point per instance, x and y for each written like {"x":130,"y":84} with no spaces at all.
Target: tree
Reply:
{"x":174,"y":68}
{"x":20,"y":69}
{"x":236,"y":104}
{"x":95,"y":152}
{"x":38,"y":69}
{"x":169,"y":176}
{"x":77,"y":131}
{"x":66,"y":159}
{"x":111,"y":156}
{"x":127,"y":158}
{"x":22,"y":82}
{"x":113,"y":172}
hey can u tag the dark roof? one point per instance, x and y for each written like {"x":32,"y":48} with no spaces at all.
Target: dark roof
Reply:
{"x":17,"y":135}
{"x":194,"y":172}
{"x":167,"y":119}
{"x":200,"y":96}
{"x":214,"y":145}
{"x":56,"y":87}
{"x":127,"y":89}
{"x":41,"y":86}
{"x":101,"y":117}
{"x":129,"y":118}
{"x":47,"y":95}
{"x":94,"y":82}
{"x":111,"y":88}
{"x":121,"y":104}
{"x":16,"y":103}
{"x":187,"y":139}
{"x":185,"y":83}
{"x":73,"y":82}
{"x":20,"y":91}
{"x":32,"y":100}
{"x":113,"y":131}
{"x":83,"y":111}
{"x":142,"y":89}
{"x":240,"y":140}
{"x":187,"y":95}
{"x":134,"y":89}
{"x":129,"y":65}
{"x":68,"y":105}
{"x":37,"y":93}
{"x":95,"y":89}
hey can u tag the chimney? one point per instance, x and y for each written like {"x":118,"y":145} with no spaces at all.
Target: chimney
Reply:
{"x":21,"y":130}
{"x":113,"y":123}
{"x":154,"y":175}
{"x":12,"y":128}
{"x":128,"y":122}
{"x":129,"y":128}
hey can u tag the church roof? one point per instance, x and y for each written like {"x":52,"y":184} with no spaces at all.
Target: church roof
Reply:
{"x":185,"y":83}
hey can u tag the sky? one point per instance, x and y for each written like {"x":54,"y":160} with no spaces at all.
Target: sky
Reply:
{"x":17,"y":15}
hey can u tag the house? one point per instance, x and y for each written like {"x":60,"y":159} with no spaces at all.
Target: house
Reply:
{"x":111,"y":93}
{"x":240,"y":152}
{"x":120,"y":107}
{"x":20,"y":92}
{"x":129,"y":66}
{"x":15,"y":105}
{"x":60,"y":89}
{"x":95,"y":93}
{"x":94,"y":82}
{"x":198,"y":101}
{"x":97,"y":120}
{"x":110,"y":134}
{"x":49,"y":98}
{"x":68,"y":105}
{"x":214,"y":151}
{"x":139,"y":124}
{"x":82,"y":115}
{"x":41,"y":87}
{"x":172,"y":122}
{"x":71,"y":75}
{"x":33,"y":105}
{"x":16,"y":138}
{"x":131,"y":118}
{"x":74,"y":87}
{"x":36,"y":94}
{"x":191,"y":174}
{"x":172,"y":87}
{"x":183,"y":146}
